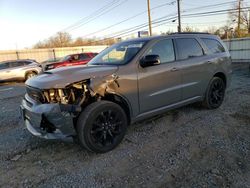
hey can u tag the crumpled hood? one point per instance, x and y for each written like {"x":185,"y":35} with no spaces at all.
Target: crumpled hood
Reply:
{"x":61,"y":77}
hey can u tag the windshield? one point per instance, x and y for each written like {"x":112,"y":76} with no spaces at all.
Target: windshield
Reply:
{"x":118,"y":54}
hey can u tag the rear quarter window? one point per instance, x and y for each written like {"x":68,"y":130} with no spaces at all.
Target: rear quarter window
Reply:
{"x":213,"y":45}
{"x":188,"y":48}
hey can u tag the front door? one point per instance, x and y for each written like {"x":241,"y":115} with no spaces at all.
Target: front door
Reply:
{"x":159,"y":85}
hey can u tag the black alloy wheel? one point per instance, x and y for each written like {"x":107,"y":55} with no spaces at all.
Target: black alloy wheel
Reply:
{"x":101,"y":126}
{"x":215,"y":93}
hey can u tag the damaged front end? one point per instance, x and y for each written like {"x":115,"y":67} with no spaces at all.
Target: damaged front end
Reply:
{"x":52,"y":113}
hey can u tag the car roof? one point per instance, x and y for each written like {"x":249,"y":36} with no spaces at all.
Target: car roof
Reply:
{"x":18,"y":60}
{"x":81,"y":53}
{"x":193,"y":34}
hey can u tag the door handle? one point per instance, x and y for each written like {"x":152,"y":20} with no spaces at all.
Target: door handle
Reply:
{"x":174,"y":69}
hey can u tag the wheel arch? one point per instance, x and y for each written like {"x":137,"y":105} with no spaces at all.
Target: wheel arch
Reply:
{"x":222,"y":76}
{"x":121,"y":101}
{"x":30,"y":71}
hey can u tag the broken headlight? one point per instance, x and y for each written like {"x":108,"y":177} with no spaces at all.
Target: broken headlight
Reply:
{"x":72,"y":94}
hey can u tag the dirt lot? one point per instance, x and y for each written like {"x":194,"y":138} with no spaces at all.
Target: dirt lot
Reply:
{"x":188,"y":147}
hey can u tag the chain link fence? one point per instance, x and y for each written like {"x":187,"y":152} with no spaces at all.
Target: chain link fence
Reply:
{"x":44,"y":54}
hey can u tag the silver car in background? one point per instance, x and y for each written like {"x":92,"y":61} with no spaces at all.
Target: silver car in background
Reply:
{"x":19,"y":70}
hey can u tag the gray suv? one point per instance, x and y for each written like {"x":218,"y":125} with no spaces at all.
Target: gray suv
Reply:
{"x":18,"y":70}
{"x":127,"y":82}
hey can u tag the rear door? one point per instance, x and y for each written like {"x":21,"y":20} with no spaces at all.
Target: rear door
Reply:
{"x":192,"y":66}
{"x":159,"y":85}
{"x":16,"y":68}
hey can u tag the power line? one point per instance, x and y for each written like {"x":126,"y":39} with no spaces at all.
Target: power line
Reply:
{"x":130,"y":18}
{"x":97,"y":16}
{"x":211,"y":6}
{"x":86,"y":18}
{"x":161,"y":21}
{"x":215,"y":12}
{"x":165,"y":4}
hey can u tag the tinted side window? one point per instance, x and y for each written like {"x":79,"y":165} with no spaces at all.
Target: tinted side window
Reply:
{"x":16,"y":64}
{"x":213,"y":45}
{"x":83,"y":57}
{"x":27,"y":62}
{"x":164,"y":49}
{"x":4,"y":66}
{"x":188,"y":48}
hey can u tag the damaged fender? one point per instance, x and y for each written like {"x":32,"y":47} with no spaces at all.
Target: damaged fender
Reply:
{"x":102,"y":86}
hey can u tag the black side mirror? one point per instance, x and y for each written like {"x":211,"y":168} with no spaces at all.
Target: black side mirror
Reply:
{"x":150,"y":60}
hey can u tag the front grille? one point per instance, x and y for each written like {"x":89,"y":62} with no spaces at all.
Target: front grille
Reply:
{"x":35,"y":94}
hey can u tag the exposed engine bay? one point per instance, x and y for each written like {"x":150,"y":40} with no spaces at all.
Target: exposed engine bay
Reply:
{"x":72,"y":94}
{"x":76,"y":93}
{"x":52,"y":113}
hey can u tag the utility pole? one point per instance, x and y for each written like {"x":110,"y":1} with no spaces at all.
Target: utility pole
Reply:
{"x":179,"y":16}
{"x":239,"y":12}
{"x":149,"y":19}
{"x":248,"y":21}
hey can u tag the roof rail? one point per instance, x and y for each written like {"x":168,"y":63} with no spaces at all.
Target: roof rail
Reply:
{"x":190,"y":33}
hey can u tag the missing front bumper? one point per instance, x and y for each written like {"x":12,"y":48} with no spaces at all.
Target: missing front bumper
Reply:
{"x":50,"y":121}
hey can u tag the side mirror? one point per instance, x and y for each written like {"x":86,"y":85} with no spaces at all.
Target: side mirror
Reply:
{"x":150,"y":60}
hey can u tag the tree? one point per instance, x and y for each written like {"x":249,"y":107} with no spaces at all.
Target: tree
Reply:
{"x":190,"y":29}
{"x":243,"y":18}
{"x":79,"y":42}
{"x":61,"y":39}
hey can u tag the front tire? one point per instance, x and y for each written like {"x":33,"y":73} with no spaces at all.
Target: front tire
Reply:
{"x":30,"y":75}
{"x":101,"y":126}
{"x":215,"y":93}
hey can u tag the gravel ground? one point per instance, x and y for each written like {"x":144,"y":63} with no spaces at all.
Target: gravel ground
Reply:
{"x":187,"y":147}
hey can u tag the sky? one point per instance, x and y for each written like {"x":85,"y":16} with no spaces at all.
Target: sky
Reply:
{"x":25,"y":22}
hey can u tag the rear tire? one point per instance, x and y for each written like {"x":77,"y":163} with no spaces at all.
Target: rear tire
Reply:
{"x":215,"y":93}
{"x":101,"y":126}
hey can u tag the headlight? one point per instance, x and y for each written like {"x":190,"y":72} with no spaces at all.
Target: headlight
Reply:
{"x":72,"y":94}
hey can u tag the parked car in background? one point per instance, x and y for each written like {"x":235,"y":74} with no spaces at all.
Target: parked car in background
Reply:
{"x":49,"y":62}
{"x":19,"y":70}
{"x":127,"y":82}
{"x":72,"y":60}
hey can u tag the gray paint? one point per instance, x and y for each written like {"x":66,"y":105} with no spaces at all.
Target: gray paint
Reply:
{"x":151,"y":90}
{"x":61,"y":77}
